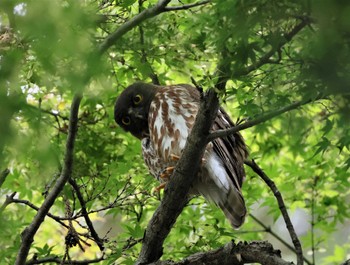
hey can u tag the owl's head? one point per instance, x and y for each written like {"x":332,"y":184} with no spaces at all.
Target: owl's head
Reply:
{"x":132,"y":106}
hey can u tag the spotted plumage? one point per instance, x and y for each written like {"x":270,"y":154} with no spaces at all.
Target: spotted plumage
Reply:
{"x":162,"y":118}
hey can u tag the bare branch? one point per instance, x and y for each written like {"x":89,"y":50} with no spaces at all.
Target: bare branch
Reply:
{"x":260,"y":252}
{"x":10,"y":199}
{"x":188,"y":6}
{"x":282,"y":208}
{"x":29,"y":232}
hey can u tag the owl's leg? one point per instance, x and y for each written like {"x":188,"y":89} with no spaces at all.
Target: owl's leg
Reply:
{"x":168,"y":171}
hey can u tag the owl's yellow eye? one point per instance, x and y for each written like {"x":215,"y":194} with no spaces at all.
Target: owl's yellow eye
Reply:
{"x":126,"y":120}
{"x":137,"y":99}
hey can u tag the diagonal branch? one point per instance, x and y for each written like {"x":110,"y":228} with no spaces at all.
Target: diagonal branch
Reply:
{"x":282,"y":208}
{"x":132,"y":23}
{"x":265,"y":59}
{"x":262,"y":118}
{"x":279,"y":238}
{"x":158,"y":8}
{"x":175,"y":195}
{"x":3,"y":176}
{"x":85,"y":213}
{"x":10,"y":199}
{"x":29,"y":232}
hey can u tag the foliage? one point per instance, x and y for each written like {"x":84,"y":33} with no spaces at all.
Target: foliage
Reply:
{"x":49,"y":52}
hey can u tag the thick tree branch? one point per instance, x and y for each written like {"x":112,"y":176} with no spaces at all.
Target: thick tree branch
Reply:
{"x":260,"y":252}
{"x":264,"y":117}
{"x":175,"y":195}
{"x":282,"y":207}
{"x":30,"y":231}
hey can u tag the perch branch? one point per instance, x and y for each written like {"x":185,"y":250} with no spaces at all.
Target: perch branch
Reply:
{"x":29,"y":232}
{"x":175,"y":194}
{"x":260,"y":252}
{"x":282,"y":208}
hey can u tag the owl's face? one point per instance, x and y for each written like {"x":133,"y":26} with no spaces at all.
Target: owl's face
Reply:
{"x":132,"y":107}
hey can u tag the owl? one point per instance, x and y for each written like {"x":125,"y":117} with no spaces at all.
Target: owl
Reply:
{"x":162,"y":118}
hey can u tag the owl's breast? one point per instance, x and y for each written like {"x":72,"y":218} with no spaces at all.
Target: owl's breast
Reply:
{"x":171,"y":118}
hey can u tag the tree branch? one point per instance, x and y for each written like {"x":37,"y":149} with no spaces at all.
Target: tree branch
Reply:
{"x":175,"y":194}
{"x":266,"y":57}
{"x":3,"y":176}
{"x":268,"y":229}
{"x":132,"y":23}
{"x":10,"y":199}
{"x":85,"y":214}
{"x":30,"y":231}
{"x":59,"y":261}
{"x":282,"y":208}
{"x":188,"y":6}
{"x":260,"y":119}
{"x":260,"y":252}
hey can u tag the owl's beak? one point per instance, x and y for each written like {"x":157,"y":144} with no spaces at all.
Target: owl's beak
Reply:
{"x":137,"y":113}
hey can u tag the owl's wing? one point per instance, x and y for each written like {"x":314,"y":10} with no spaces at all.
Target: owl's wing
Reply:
{"x":152,"y":161}
{"x":231,"y":149}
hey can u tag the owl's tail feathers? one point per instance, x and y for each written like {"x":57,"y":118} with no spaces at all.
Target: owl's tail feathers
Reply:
{"x":234,"y":208}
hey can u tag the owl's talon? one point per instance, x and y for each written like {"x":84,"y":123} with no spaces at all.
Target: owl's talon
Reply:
{"x":166,"y":173}
{"x":174,"y":157}
{"x":160,"y":187}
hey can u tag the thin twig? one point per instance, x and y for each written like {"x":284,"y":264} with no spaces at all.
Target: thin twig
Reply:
{"x":188,"y":6}
{"x":282,"y":208}
{"x":10,"y":199}
{"x":313,"y":203}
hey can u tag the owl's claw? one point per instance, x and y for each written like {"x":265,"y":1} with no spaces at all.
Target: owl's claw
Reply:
{"x":167,"y":173}
{"x":160,"y":187}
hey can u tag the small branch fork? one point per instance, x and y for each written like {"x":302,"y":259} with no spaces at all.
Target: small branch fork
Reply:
{"x":282,"y":207}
